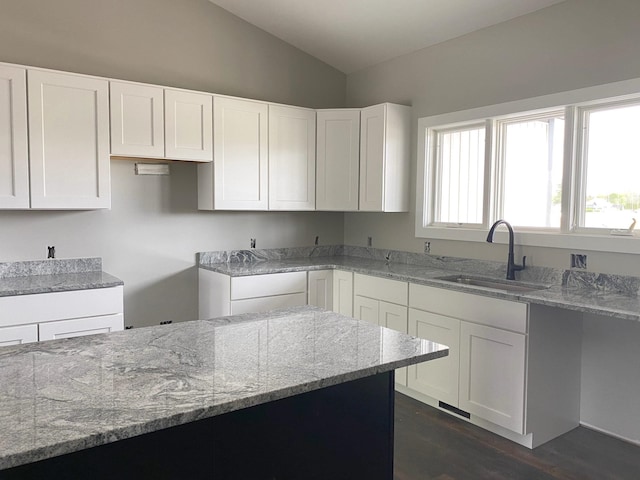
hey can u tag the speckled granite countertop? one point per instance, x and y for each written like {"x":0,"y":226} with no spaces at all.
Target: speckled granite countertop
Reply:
{"x":45,"y":276}
{"x":610,"y":295}
{"x":66,"y":395}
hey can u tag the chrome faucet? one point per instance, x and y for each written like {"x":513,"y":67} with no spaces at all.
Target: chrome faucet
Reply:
{"x":512,"y":268}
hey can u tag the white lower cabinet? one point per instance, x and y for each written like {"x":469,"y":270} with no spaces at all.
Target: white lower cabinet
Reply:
{"x":382,"y":302}
{"x":508,"y":366}
{"x":220,"y":294}
{"x":46,"y":316}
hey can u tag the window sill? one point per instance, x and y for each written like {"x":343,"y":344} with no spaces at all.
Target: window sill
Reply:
{"x":578,"y":241}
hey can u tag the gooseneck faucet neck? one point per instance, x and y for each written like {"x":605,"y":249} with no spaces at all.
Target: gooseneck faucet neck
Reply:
{"x":512,"y":268}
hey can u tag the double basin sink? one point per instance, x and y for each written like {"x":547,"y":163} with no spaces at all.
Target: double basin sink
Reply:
{"x":492,"y":283}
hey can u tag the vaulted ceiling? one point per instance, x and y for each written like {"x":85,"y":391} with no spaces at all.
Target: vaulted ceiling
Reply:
{"x":353,"y":34}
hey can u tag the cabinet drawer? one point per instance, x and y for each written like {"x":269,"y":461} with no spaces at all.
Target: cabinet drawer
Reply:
{"x":489,"y":311}
{"x":45,"y":307}
{"x":383,"y":289}
{"x":80,"y":327}
{"x":264,"y":304}
{"x":267,"y":285}
{"x":18,"y":335}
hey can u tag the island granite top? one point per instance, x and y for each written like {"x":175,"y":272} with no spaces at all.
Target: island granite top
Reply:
{"x":61,"y":396}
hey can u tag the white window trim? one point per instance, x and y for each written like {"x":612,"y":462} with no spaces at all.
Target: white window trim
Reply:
{"x":617,"y":91}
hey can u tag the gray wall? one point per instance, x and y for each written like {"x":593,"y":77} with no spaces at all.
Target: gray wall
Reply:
{"x":574,"y":44}
{"x":150,"y":236}
{"x":577,"y":43}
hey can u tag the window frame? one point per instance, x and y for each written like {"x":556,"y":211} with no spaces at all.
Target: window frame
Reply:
{"x":569,"y":235}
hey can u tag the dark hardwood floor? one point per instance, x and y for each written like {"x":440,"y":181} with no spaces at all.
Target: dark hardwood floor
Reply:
{"x":433,"y":445}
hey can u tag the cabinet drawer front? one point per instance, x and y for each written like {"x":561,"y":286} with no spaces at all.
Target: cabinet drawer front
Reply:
{"x":266,"y":285}
{"x":494,"y":312}
{"x":264,"y":304}
{"x":80,"y":327}
{"x":46,"y":307}
{"x":18,"y":335}
{"x":383,"y":289}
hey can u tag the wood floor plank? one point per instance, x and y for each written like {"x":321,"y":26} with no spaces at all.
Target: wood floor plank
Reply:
{"x":433,"y":445}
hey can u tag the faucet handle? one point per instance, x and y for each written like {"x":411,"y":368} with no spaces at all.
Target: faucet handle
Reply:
{"x":523,"y":266}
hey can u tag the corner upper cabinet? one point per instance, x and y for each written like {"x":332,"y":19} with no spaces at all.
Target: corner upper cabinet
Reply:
{"x":384,"y":158}
{"x":292,"y":158}
{"x":14,"y":157}
{"x":338,"y":159}
{"x":68,"y":141}
{"x":188,"y":118}
{"x":238,"y":177}
{"x":137,"y":120}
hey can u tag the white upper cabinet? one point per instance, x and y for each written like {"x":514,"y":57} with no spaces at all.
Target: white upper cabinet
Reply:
{"x":14,"y":158}
{"x":137,"y":120}
{"x":384,"y":158}
{"x":68,"y":141}
{"x":338,"y":149}
{"x":188,"y":125}
{"x":292,"y":158}
{"x":238,"y":177}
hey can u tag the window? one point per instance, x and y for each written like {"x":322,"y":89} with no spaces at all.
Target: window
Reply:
{"x":530,"y":163}
{"x":460,"y":176}
{"x":564,"y":169}
{"x":609,"y":196}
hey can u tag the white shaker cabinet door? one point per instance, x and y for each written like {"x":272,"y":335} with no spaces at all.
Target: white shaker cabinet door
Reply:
{"x":493,"y":374}
{"x":292,"y":158}
{"x":137,"y":120}
{"x":68,"y":141}
{"x":438,"y":378}
{"x":343,"y":292}
{"x":240,"y":170}
{"x":384,"y":158}
{"x":188,"y":125}
{"x":366,"y":309}
{"x":338,"y":160}
{"x":394,"y":317}
{"x":14,"y":157}
{"x":18,"y":335}
{"x":320,"y":288}
{"x":80,"y":327}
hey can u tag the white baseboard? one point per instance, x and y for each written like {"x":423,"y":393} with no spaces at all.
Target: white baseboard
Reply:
{"x":611,"y":434}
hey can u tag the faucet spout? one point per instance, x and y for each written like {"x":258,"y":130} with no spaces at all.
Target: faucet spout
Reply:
{"x":512,"y":268}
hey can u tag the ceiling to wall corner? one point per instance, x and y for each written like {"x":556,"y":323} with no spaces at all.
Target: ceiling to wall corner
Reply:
{"x":354,"y":34}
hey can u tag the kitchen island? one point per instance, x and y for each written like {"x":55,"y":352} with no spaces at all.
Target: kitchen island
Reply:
{"x":298,"y":393}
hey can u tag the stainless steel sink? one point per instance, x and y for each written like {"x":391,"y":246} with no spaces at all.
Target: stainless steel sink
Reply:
{"x":493,"y":283}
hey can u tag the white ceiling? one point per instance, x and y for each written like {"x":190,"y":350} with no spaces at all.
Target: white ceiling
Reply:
{"x":353,"y":34}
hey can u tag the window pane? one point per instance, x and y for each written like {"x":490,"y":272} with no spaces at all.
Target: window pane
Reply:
{"x":460,"y":176}
{"x":532,"y":181}
{"x":612,"y":160}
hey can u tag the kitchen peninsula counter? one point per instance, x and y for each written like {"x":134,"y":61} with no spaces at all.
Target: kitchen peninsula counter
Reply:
{"x":614,"y":296}
{"x":65,"y":396}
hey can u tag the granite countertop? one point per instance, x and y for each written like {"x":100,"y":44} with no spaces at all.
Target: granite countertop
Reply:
{"x":61,"y":396}
{"x":46,"y":276}
{"x":609,"y":295}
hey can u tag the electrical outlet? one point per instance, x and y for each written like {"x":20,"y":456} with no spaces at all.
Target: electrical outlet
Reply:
{"x":578,"y":261}
{"x":427,"y":247}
